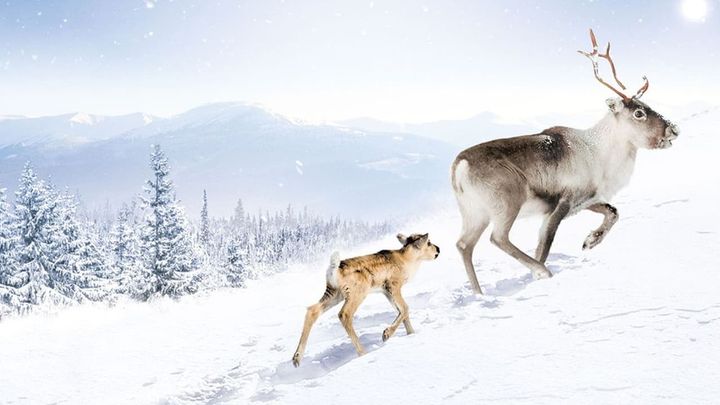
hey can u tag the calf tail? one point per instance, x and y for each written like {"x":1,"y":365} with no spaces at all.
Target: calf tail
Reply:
{"x":331,"y":274}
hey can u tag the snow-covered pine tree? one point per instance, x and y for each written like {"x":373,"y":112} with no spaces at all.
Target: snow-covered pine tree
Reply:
{"x":236,"y":268}
{"x":204,"y":223}
{"x":132,"y":278}
{"x":74,"y":264}
{"x":238,"y":218}
{"x":31,"y":282}
{"x":168,"y":252}
{"x":80,"y":266}
{"x":7,"y":254}
{"x":7,"y":239}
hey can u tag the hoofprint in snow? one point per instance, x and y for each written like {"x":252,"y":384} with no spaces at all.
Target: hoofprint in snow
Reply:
{"x":637,"y":319}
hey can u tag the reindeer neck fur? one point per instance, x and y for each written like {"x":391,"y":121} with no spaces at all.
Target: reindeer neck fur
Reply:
{"x":612,"y":155}
{"x":409,"y":264}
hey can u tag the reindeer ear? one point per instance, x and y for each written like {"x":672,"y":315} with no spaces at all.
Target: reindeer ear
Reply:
{"x":615,"y":104}
{"x":420,"y":241}
{"x":402,"y":238}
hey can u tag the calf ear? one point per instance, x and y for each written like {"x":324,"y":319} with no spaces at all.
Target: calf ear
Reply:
{"x":614,"y":104}
{"x":419,"y":242}
{"x":402,"y":238}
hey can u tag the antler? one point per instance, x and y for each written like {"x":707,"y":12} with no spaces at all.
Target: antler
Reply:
{"x":644,"y":88}
{"x":607,"y":57}
{"x":595,"y":54}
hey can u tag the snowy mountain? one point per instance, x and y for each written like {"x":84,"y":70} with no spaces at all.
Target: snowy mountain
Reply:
{"x":232,"y":150}
{"x":486,"y":126}
{"x":633,"y":321}
{"x":66,"y":130}
{"x":463,"y":133}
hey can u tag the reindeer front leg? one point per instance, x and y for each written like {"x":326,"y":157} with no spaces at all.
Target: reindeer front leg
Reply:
{"x":548,"y":230}
{"x":403,"y":313}
{"x":596,"y":236}
{"x":408,"y":326}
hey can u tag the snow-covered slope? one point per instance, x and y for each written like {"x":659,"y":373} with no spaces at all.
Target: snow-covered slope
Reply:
{"x":637,"y":320}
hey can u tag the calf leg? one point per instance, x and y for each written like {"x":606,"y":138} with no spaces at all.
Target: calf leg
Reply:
{"x":352,"y":302}
{"x":500,"y":238}
{"x":395,"y":297}
{"x":408,"y":327}
{"x":331,"y":298}
{"x":596,"y":236}
{"x":547,"y":232}
{"x":466,"y":244}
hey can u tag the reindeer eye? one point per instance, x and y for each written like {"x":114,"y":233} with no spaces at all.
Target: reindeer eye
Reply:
{"x":639,"y":114}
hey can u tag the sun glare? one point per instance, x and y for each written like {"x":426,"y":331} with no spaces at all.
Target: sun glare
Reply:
{"x":695,"y":10}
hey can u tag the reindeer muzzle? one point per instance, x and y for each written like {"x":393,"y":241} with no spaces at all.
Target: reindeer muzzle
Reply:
{"x":671,"y":133}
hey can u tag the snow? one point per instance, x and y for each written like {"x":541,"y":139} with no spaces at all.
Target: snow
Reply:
{"x":85,"y":119}
{"x":66,"y":130}
{"x":634,"y":320}
{"x":11,"y":117}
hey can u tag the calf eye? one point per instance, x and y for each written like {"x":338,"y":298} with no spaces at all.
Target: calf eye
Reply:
{"x":639,"y":114}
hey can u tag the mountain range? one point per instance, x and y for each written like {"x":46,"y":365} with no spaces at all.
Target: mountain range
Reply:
{"x":232,"y":150}
{"x":363,"y":168}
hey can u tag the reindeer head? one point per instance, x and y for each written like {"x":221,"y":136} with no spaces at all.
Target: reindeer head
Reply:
{"x":419,"y":246}
{"x":644,"y":127}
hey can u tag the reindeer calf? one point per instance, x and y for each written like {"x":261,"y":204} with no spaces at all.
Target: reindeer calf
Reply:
{"x":353,"y":279}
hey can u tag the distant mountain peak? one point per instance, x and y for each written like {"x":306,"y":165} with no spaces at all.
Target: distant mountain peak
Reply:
{"x":229,"y":108}
{"x":11,"y":117}
{"x":147,"y":118}
{"x":85,"y":118}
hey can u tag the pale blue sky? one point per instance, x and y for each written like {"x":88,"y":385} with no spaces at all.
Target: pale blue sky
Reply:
{"x":325,"y":60}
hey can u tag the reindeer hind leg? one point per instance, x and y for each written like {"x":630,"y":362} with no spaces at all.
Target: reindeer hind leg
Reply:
{"x":473,"y":228}
{"x":331,"y":298}
{"x":500,"y":238}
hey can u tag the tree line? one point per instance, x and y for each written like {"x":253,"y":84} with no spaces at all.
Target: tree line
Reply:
{"x":53,"y":254}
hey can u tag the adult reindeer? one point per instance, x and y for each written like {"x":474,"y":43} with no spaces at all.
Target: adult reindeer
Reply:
{"x":555,"y":173}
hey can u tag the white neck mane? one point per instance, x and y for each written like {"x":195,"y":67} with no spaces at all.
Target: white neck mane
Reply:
{"x":613,"y":154}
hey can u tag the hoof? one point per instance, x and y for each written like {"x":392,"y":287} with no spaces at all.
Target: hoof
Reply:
{"x":386,"y":335}
{"x":477,"y":290}
{"x":296,"y":360}
{"x":541,"y":275}
{"x":593,"y":240}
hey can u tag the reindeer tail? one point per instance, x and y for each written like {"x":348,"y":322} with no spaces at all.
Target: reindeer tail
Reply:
{"x":331,"y":275}
{"x":460,"y":175}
